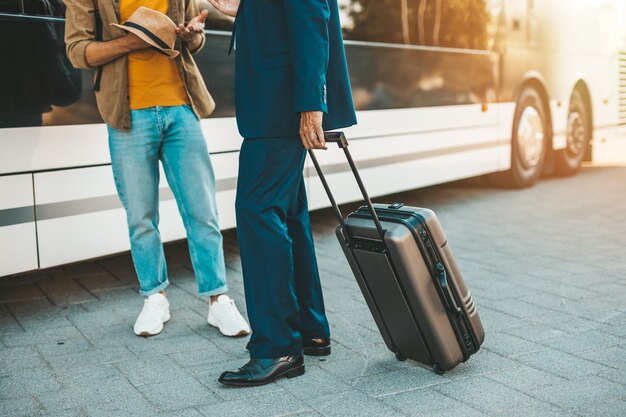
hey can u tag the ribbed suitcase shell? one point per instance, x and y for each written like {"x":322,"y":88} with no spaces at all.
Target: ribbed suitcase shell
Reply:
{"x":404,"y":289}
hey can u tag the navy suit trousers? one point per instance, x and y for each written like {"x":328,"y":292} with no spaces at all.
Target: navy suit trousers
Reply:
{"x":282,"y":285}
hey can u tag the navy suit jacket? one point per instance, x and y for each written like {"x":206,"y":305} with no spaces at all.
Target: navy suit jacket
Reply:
{"x":290,"y":58}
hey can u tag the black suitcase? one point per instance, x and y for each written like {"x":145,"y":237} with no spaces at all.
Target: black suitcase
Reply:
{"x":404,"y":266}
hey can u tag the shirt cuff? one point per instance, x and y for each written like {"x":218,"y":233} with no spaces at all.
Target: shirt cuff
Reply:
{"x":77,"y":55}
{"x":199,"y":48}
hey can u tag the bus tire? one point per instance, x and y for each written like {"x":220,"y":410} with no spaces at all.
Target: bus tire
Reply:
{"x":529,"y":143}
{"x":568,"y":161}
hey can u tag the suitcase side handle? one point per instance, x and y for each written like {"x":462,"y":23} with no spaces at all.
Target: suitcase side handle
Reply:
{"x":342,"y":142}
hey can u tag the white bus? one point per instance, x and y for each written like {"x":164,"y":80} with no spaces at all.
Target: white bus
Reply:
{"x":444,"y":90}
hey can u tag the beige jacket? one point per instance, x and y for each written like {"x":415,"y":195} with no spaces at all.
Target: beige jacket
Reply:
{"x":112,"y":99}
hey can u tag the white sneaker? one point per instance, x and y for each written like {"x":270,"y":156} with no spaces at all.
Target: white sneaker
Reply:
{"x":224,"y":315}
{"x":155,"y":312}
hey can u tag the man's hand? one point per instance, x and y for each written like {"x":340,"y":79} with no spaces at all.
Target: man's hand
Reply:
{"x":99,"y":53}
{"x":192,"y":33}
{"x":311,"y":132}
{"x":228,"y":7}
{"x":134,"y":42}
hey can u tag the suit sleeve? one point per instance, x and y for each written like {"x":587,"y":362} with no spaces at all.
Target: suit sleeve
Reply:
{"x":307,"y":22}
{"x":80,"y":30}
{"x":192,"y":11}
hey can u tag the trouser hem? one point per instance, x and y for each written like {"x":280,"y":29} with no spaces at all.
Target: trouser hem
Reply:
{"x":217,"y":291}
{"x":314,"y":335}
{"x":277,"y":354}
{"x":155,"y":290}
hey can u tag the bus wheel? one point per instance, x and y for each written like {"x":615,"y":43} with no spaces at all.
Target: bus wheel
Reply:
{"x":569,"y":160}
{"x":528,"y":143}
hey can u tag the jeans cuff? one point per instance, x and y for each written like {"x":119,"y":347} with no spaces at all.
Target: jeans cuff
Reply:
{"x":217,"y":291}
{"x":155,"y":290}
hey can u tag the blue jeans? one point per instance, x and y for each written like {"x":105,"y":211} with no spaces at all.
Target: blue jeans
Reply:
{"x":172,"y":135}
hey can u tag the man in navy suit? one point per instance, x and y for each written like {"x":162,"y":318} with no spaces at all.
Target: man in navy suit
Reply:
{"x":291,"y":84}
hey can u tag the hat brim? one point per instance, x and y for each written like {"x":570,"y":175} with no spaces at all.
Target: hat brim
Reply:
{"x":171,"y":53}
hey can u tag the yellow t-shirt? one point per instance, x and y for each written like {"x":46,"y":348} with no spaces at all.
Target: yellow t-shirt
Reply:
{"x":153,"y":78}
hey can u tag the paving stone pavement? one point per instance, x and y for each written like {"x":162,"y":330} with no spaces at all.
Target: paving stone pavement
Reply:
{"x":547,"y":268}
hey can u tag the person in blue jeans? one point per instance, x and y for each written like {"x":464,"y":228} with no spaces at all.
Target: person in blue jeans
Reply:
{"x":152,"y":102}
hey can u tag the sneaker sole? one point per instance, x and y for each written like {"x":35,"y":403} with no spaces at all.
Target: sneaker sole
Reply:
{"x":148,"y":334}
{"x":239,"y":334}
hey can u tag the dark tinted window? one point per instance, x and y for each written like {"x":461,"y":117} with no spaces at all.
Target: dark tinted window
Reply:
{"x":53,"y":8}
{"x":9,"y":6}
{"x":445,"y":23}
{"x":38,"y":80}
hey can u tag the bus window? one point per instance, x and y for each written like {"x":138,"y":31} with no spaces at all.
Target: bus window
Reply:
{"x":51,"y":8}
{"x":438,"y":52}
{"x":465,"y":24}
{"x":38,"y":81}
{"x":372,"y":20}
{"x":10,"y":6}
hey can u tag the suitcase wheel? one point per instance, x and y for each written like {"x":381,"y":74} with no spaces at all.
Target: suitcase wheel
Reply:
{"x":400,"y":356}
{"x":437,"y":369}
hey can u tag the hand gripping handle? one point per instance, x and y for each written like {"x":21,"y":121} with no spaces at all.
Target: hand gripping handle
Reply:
{"x":342,"y":142}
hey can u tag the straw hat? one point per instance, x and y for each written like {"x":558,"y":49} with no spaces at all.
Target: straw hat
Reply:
{"x":158,"y":30}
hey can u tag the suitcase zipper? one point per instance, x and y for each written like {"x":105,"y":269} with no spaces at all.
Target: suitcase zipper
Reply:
{"x":463,"y":335}
{"x":443,"y":281}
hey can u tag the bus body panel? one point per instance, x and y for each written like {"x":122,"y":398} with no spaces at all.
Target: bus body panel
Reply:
{"x":18,"y":234}
{"x":80,"y":216}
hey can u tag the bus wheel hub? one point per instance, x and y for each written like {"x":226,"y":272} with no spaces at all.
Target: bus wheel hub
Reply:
{"x":530,"y":136}
{"x":575,"y":133}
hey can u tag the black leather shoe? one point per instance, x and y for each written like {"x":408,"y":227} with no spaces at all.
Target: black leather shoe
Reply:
{"x":316,"y":347}
{"x":263,"y":371}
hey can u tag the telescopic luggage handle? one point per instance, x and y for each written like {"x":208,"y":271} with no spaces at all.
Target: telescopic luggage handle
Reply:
{"x":342,"y":142}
